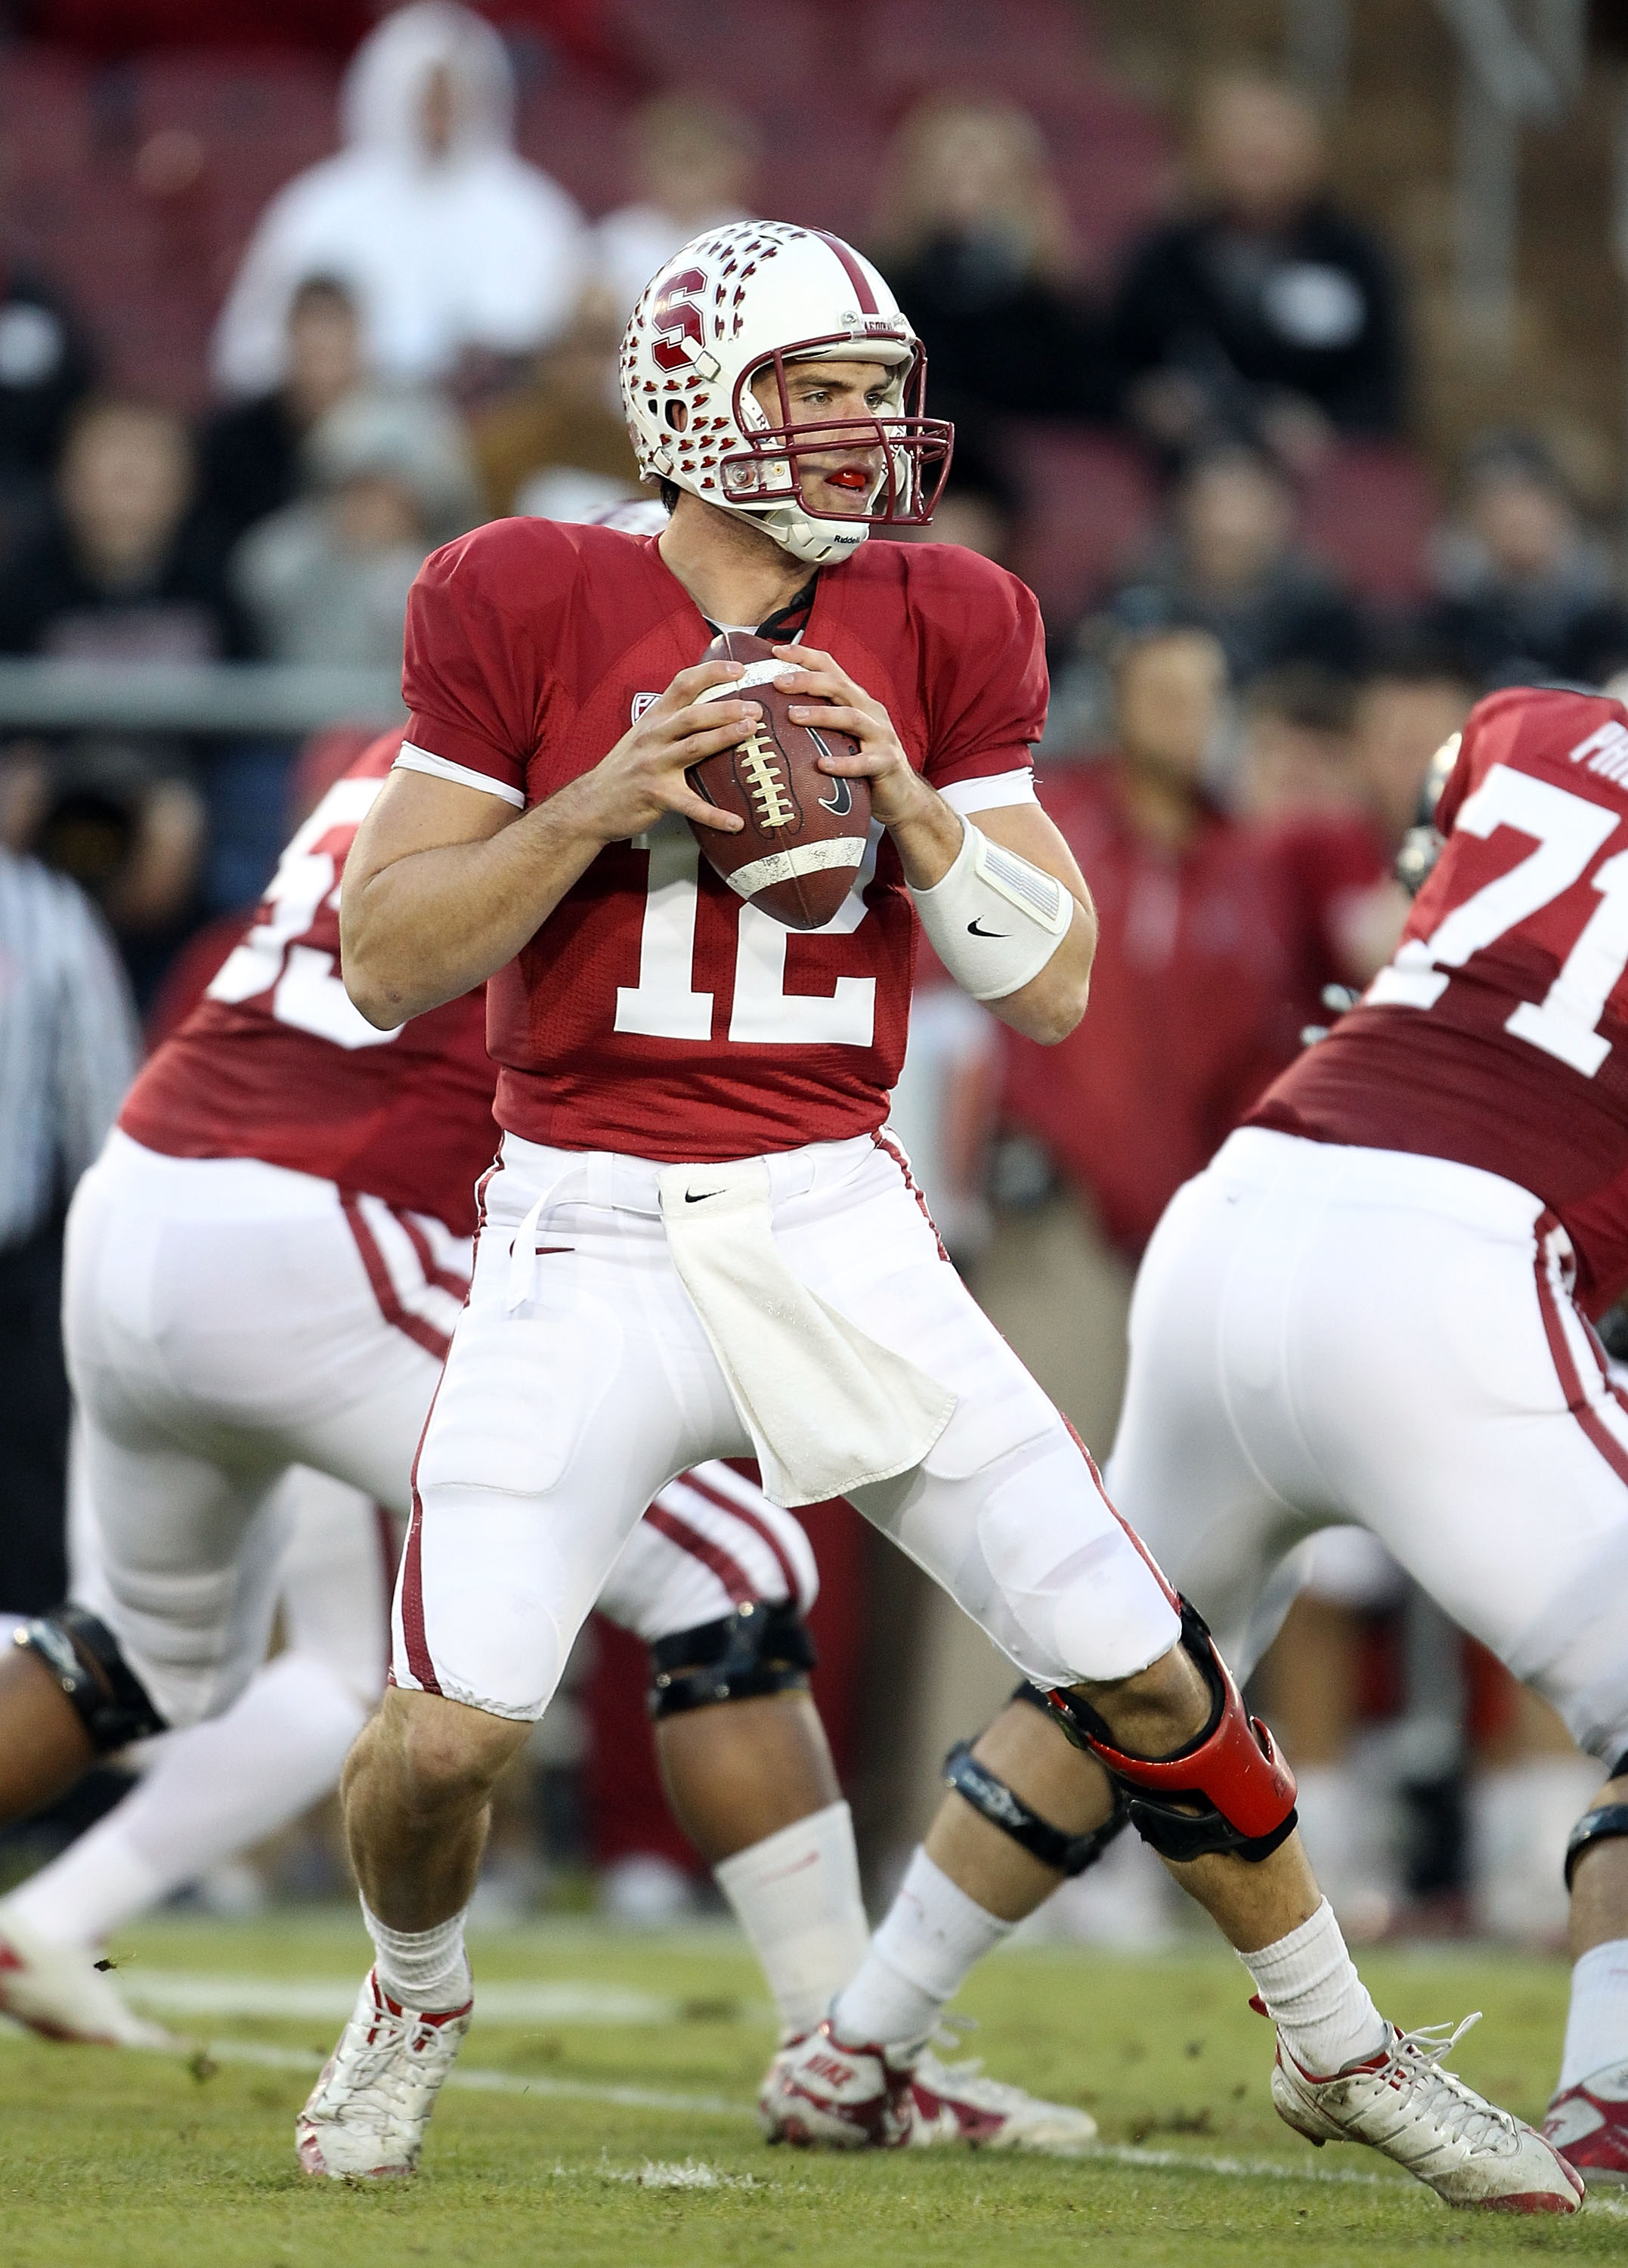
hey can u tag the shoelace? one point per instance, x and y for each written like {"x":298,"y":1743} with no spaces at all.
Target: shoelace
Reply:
{"x":1468,"y":2118}
{"x":380,"y":2077}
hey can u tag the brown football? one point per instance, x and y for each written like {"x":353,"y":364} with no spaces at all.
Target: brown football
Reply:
{"x":798,"y":855}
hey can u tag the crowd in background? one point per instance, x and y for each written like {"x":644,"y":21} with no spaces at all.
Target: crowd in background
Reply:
{"x":422,"y":333}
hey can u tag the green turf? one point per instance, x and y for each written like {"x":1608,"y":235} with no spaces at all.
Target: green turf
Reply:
{"x":140,"y":2161}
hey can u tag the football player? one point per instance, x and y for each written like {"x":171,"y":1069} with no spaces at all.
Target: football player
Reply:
{"x":267,"y":1261}
{"x":698,"y":1242}
{"x":1374,"y":1308}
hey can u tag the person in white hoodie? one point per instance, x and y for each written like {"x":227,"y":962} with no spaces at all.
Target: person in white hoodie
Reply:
{"x":448,"y":239}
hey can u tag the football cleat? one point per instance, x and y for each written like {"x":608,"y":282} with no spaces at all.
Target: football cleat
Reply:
{"x":957,"y":2102}
{"x":1588,"y":2124}
{"x":367,"y":2113}
{"x":1403,"y":2104}
{"x":58,"y":1991}
{"x":820,"y":2093}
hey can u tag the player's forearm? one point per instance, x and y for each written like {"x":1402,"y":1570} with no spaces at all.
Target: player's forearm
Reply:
{"x":433,"y":924}
{"x":1049,"y":1006}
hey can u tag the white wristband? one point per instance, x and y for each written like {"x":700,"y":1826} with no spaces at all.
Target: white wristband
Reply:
{"x":995,"y":919}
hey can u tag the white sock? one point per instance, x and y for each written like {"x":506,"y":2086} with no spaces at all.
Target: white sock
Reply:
{"x":1314,"y":1997}
{"x":421,"y":1968}
{"x":209,"y":1792}
{"x":918,"y":1960}
{"x":1596,"y":2028}
{"x":796,"y":1895}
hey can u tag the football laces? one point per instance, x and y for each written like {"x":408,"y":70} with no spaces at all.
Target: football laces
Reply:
{"x":764,"y":771}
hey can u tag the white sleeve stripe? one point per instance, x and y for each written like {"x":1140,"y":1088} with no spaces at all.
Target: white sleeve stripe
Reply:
{"x":419,"y":760}
{"x":993,"y":793}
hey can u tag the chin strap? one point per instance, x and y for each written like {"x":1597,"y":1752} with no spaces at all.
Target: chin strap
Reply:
{"x":1228,"y":1790}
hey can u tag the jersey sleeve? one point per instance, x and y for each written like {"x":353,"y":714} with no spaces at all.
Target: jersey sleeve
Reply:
{"x":471,"y":675}
{"x":986,"y":687}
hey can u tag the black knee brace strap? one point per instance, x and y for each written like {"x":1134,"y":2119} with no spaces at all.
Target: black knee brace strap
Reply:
{"x":993,"y":1801}
{"x":83,"y":1655}
{"x":1598,"y":1826}
{"x":1228,"y":1790}
{"x":758,"y":1649}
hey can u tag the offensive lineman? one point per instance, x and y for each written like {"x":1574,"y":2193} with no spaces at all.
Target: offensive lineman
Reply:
{"x":1373,"y":1307}
{"x":692,"y":1186}
{"x":276,"y":1087}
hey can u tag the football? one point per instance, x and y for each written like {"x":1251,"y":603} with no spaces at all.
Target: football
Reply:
{"x":805,"y":832}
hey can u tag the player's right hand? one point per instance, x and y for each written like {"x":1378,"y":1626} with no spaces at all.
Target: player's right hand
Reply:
{"x":643,"y":776}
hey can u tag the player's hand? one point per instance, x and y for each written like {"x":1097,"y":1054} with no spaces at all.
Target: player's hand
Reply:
{"x":643,"y":776}
{"x":899,"y":793}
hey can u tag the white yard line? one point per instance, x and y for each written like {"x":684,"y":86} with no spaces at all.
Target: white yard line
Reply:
{"x":496,"y":2082}
{"x":189,"y":1993}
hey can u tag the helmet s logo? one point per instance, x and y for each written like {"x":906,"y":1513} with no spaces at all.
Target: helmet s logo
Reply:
{"x":676,"y":320}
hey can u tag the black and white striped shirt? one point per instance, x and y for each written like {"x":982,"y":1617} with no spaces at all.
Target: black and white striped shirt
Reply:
{"x":68,"y":1044}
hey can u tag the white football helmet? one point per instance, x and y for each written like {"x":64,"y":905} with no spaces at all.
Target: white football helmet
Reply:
{"x":758,"y":294}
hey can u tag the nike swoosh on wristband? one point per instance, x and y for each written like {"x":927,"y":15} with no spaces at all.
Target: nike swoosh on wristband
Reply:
{"x":691,"y":1198}
{"x":973,"y":930}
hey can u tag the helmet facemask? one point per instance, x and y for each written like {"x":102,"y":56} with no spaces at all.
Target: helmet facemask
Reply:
{"x":908,"y":454}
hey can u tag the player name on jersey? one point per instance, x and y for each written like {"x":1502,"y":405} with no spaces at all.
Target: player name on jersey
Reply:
{"x":1499,"y":1034}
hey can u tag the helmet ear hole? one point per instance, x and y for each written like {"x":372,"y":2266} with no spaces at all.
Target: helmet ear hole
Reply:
{"x":677,"y":414}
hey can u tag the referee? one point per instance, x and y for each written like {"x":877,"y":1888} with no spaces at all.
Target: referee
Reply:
{"x":69,"y":1049}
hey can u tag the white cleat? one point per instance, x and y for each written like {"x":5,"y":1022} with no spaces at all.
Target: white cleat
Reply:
{"x":819,"y":2093}
{"x":958,"y":2103}
{"x":367,"y":2113}
{"x":1403,"y":2104}
{"x":58,"y":1991}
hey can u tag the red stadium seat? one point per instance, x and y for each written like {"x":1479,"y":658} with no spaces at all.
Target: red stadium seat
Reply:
{"x":1368,"y":512}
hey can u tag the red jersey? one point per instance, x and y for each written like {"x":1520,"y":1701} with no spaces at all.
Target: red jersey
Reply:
{"x":654,"y":1012}
{"x":1499,"y":1034}
{"x":275,"y":1063}
{"x":1211,"y":959}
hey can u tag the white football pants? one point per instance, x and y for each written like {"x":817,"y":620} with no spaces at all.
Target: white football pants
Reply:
{"x":1324,"y":1334}
{"x":563,"y":1410}
{"x":227,"y":1321}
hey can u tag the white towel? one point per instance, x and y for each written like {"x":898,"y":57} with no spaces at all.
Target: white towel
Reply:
{"x":828,"y":1409}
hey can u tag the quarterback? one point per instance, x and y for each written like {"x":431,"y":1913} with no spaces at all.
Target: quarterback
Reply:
{"x":268,"y":1258}
{"x":698,"y":1242}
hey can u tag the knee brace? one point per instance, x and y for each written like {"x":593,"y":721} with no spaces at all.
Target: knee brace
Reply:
{"x":1003,"y":1807}
{"x":1598,"y":1825}
{"x":758,"y":1649}
{"x":83,"y":1656}
{"x":1228,"y":1790}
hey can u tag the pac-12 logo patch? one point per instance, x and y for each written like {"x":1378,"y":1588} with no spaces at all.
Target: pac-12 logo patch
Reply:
{"x":642,"y":702}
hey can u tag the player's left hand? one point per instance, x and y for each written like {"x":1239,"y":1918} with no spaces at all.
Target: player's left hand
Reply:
{"x":825,"y":695}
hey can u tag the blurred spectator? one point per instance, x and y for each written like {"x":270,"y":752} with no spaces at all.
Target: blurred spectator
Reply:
{"x":559,"y":448}
{"x":46,"y":368}
{"x":1269,"y":314}
{"x":973,"y":238}
{"x":450,"y":244}
{"x":1297,"y":755}
{"x":68,"y":1051}
{"x":326,"y":578}
{"x":692,"y":160}
{"x":981,"y":507}
{"x":1524,"y":586}
{"x":122,"y":819}
{"x":121,"y":571}
{"x":1231,"y":561}
{"x":1411,"y":702}
{"x":249,"y":459}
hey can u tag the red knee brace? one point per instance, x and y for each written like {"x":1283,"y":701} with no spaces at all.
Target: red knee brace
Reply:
{"x":1228,"y":1790}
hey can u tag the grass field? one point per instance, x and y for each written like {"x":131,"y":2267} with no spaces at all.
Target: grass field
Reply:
{"x":604,"y":2117}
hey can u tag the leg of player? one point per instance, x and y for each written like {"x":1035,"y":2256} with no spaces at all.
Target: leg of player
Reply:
{"x":1589,"y":2118}
{"x":974,"y":1879}
{"x":417,"y":1794}
{"x":44,"y":1746}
